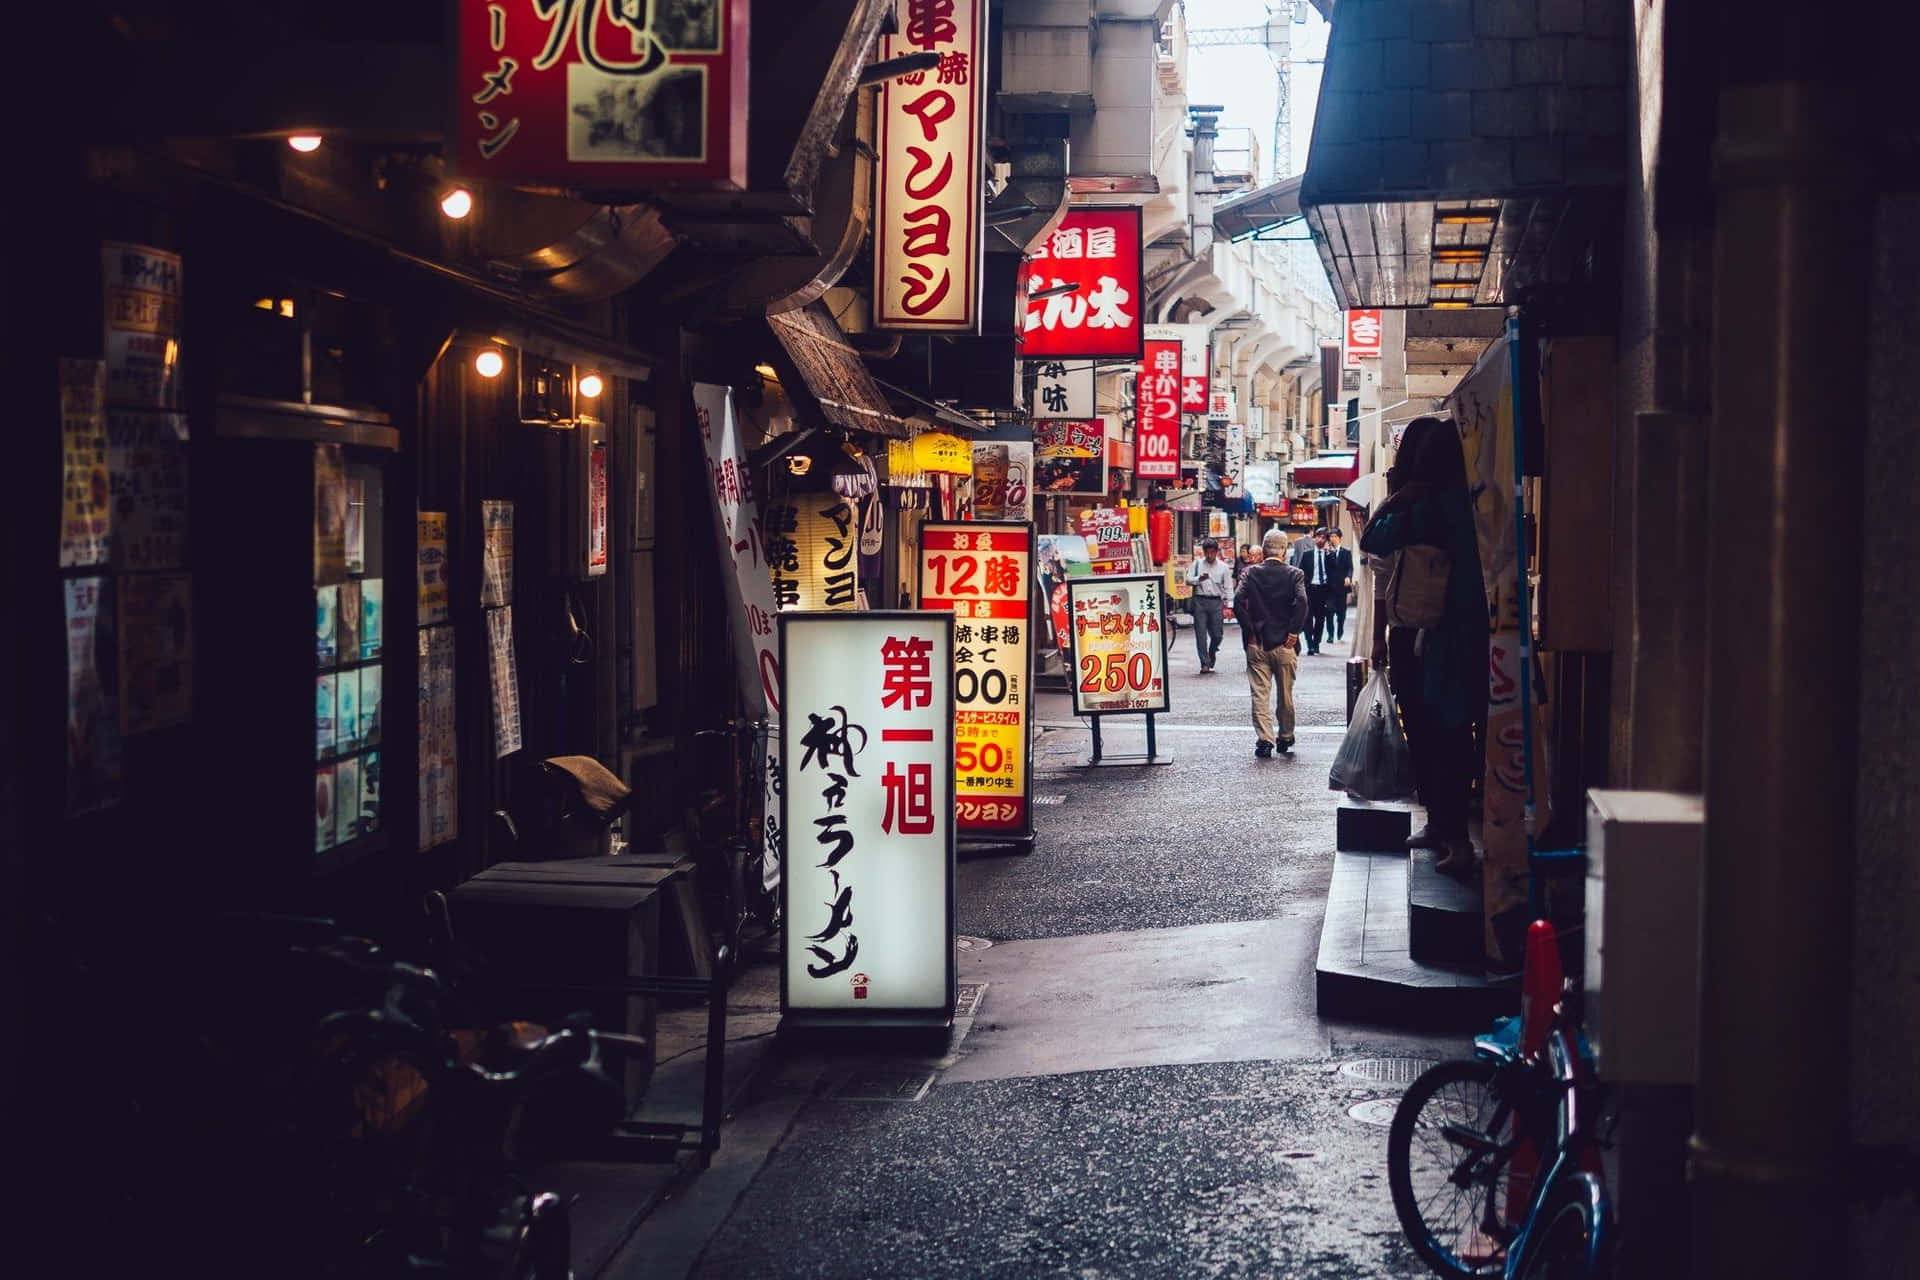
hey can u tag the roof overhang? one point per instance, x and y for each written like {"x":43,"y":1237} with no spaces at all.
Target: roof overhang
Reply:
{"x":1256,"y":214}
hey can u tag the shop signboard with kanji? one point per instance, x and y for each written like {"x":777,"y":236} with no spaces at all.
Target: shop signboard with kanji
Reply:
{"x":928,"y":227}
{"x":1363,"y":336}
{"x":983,"y":573}
{"x":602,"y":95}
{"x":867,"y":812}
{"x":1109,"y":540}
{"x":1070,"y":456}
{"x":1097,"y":250}
{"x":1119,"y":649}
{"x":1195,"y":361}
{"x":1062,"y":389}
{"x":1157,"y":401}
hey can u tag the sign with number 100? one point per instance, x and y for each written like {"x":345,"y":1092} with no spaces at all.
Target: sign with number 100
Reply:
{"x":1117,"y":635}
{"x":983,"y":573}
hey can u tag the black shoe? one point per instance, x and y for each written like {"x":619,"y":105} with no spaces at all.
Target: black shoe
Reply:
{"x":1456,"y":859}
{"x":1424,"y":839}
{"x":1286,"y":746}
{"x":1263,"y":748}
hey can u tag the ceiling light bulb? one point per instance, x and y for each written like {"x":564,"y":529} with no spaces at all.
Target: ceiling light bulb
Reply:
{"x":457,"y":203}
{"x":304,"y":142}
{"x":489,"y":363}
{"x":591,"y":386}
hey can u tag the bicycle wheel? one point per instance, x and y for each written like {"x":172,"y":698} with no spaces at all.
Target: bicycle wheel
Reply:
{"x":1572,"y":1238}
{"x":1447,"y":1166}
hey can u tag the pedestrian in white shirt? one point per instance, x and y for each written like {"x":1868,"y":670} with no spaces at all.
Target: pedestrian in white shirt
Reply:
{"x":1212,"y":584}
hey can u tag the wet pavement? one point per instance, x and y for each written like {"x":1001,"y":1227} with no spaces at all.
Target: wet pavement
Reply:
{"x":1143,"y":1087}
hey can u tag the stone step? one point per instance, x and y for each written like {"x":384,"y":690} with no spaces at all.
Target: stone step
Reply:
{"x":1366,"y":970}
{"x":1444,"y":924}
{"x":1363,"y":826}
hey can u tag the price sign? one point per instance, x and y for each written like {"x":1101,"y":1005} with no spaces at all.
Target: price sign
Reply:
{"x":983,"y":573}
{"x":1118,"y":643}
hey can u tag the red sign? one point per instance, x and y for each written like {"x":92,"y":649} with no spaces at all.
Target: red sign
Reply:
{"x":1196,"y":377}
{"x":1098,"y":250}
{"x":927,"y":236}
{"x":1157,"y":400}
{"x":1304,"y":512}
{"x":602,"y":95}
{"x":1363,"y":336}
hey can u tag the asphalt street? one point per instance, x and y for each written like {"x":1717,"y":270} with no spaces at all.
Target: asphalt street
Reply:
{"x":1138,"y":1084}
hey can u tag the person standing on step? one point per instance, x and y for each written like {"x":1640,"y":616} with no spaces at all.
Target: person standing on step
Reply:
{"x":1311,"y":560}
{"x":1212,"y":584}
{"x":1339,"y":581}
{"x":1272,"y":600}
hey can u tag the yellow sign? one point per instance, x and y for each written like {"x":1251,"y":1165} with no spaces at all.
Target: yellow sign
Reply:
{"x":943,"y":453}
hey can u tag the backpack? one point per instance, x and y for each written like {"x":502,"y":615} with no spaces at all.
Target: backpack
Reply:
{"x":1417,"y":587}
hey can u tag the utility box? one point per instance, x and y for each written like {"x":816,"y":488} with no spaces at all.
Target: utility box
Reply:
{"x":1644,"y":859}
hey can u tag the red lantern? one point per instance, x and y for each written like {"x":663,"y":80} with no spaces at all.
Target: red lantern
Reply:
{"x":1160,"y":534}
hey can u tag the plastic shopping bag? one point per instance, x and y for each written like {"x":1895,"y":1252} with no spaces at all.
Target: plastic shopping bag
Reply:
{"x":1373,"y":762}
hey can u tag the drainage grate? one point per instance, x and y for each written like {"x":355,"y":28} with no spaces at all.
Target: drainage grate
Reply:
{"x":963,"y":942}
{"x":884,"y":1086}
{"x":1059,"y":798}
{"x":1379,"y":1111}
{"x":1400,"y":1071}
{"x":968,"y":1001}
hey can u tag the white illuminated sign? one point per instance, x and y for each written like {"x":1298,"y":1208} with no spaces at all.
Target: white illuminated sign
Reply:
{"x":1118,"y":644}
{"x":867,"y":806}
{"x":927,"y":236}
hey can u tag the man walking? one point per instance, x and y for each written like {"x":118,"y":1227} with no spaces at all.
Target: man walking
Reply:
{"x":1212,"y":584}
{"x":1339,"y":577}
{"x":1311,"y":560}
{"x":1273,"y":600}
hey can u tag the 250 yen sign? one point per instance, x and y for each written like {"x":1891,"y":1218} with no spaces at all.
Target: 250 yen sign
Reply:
{"x":1115,"y":672}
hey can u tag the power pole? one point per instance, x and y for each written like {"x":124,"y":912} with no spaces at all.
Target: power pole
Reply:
{"x":1276,"y":37}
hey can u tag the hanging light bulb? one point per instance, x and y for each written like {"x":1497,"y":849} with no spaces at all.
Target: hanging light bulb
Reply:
{"x":489,"y":363}
{"x":304,"y":142}
{"x":591,"y":386}
{"x":457,"y":203}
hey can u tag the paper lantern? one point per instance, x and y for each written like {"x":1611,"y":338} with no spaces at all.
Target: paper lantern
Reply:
{"x":813,"y":552}
{"x":943,"y":453}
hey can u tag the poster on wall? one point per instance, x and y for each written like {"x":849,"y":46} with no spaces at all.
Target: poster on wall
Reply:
{"x":329,"y":514}
{"x":597,"y":509}
{"x":1157,"y":404}
{"x":496,"y":553}
{"x":869,"y":894}
{"x":356,"y":534}
{"x":156,"y":650}
{"x":602,"y":96}
{"x":1003,"y":480}
{"x":504,"y":676}
{"x":1118,"y":649}
{"x":1098,"y":253}
{"x":94,"y":756}
{"x":1070,"y":457}
{"x":983,"y":574}
{"x":142,"y":310}
{"x":433,"y":600}
{"x":439,"y":755}
{"x":147,"y":463}
{"x":928,"y":224}
{"x":86,"y":502}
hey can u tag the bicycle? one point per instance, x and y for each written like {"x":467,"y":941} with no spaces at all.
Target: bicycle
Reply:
{"x":1506,"y":1178}
{"x":734,"y":851}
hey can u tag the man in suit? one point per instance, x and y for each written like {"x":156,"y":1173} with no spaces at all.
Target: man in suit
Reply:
{"x":1339,"y":577}
{"x":1311,"y":561}
{"x":1272,"y":607}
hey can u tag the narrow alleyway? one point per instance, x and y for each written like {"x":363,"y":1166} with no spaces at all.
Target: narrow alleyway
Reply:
{"x":1142,"y":1088}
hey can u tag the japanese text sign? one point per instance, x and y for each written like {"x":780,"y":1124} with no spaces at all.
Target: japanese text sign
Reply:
{"x":867,"y":809}
{"x":1363,"y":336}
{"x":743,"y":548}
{"x":1069,"y":456}
{"x":1062,"y":390}
{"x":1304,"y":512}
{"x":1195,"y":361}
{"x":1109,"y":541}
{"x":1119,"y":649}
{"x":982,"y":573}
{"x":927,"y":234}
{"x":1157,"y":400}
{"x":602,"y":95}
{"x":1098,"y":250}
{"x":810,"y":544}
{"x":142,"y":306}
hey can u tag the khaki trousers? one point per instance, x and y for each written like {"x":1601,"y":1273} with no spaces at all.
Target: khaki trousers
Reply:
{"x":1269,"y":670}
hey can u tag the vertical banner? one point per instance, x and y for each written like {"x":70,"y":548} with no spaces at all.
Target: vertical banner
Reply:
{"x":1195,"y":361}
{"x":927,"y":233}
{"x":439,"y":752}
{"x":142,"y":310}
{"x":496,"y":553}
{"x":86,"y":502}
{"x":1157,"y":400}
{"x":983,"y":574}
{"x":1233,"y":479}
{"x":1117,"y":646}
{"x":1098,"y":253}
{"x":1363,"y":336}
{"x":505,"y":679}
{"x":597,"y":96}
{"x":432,"y":602}
{"x":1062,"y":389}
{"x":597,"y":509}
{"x":869,"y":803}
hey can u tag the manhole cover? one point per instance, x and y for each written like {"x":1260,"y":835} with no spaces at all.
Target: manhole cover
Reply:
{"x":1061,"y":798}
{"x":884,"y":1086}
{"x":967,"y":1003}
{"x":1400,"y":1071}
{"x":965,"y":943}
{"x":1379,"y":1111}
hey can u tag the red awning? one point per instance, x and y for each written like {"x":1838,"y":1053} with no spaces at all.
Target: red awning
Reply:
{"x":1329,"y":470}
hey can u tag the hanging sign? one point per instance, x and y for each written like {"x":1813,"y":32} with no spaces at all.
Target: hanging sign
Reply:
{"x":1003,"y":480}
{"x":1363,"y":336}
{"x":810,"y":545}
{"x":1099,"y":251}
{"x":1195,"y":358}
{"x":86,"y":505}
{"x":1304,"y":512}
{"x":1118,"y":646}
{"x":602,"y":95}
{"x":1233,"y":478}
{"x":868,"y":812}
{"x":1070,"y":456}
{"x":142,"y":307}
{"x":928,"y":231}
{"x":942,"y":453}
{"x":1062,"y":389}
{"x":983,"y":574}
{"x":1157,"y":397}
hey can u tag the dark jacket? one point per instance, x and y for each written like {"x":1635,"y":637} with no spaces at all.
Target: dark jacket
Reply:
{"x":1454,"y":662}
{"x":1339,"y":569}
{"x":1273,"y":599}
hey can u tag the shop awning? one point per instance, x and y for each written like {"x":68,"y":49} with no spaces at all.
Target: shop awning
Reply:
{"x":827,"y":376}
{"x":1258,"y":213}
{"x":1329,"y":470}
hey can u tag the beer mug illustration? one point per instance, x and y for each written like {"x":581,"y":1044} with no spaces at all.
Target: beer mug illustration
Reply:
{"x":990,"y":482}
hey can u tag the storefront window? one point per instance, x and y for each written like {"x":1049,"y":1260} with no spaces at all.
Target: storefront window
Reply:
{"x":349,"y":631}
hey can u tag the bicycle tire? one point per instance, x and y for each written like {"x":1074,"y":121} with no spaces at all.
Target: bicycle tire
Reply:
{"x":1443,"y":1221}
{"x":1573,"y":1239}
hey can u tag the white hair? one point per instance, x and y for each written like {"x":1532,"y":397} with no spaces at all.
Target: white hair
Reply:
{"x":1274,"y":541}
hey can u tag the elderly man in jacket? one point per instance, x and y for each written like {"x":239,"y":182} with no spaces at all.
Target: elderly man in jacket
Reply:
{"x":1273,"y":599}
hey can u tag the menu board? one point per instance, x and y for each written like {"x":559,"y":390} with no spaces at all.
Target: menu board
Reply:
{"x":1118,"y":644}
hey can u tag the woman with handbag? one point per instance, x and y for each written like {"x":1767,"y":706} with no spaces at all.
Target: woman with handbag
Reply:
{"x":1430,"y":626}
